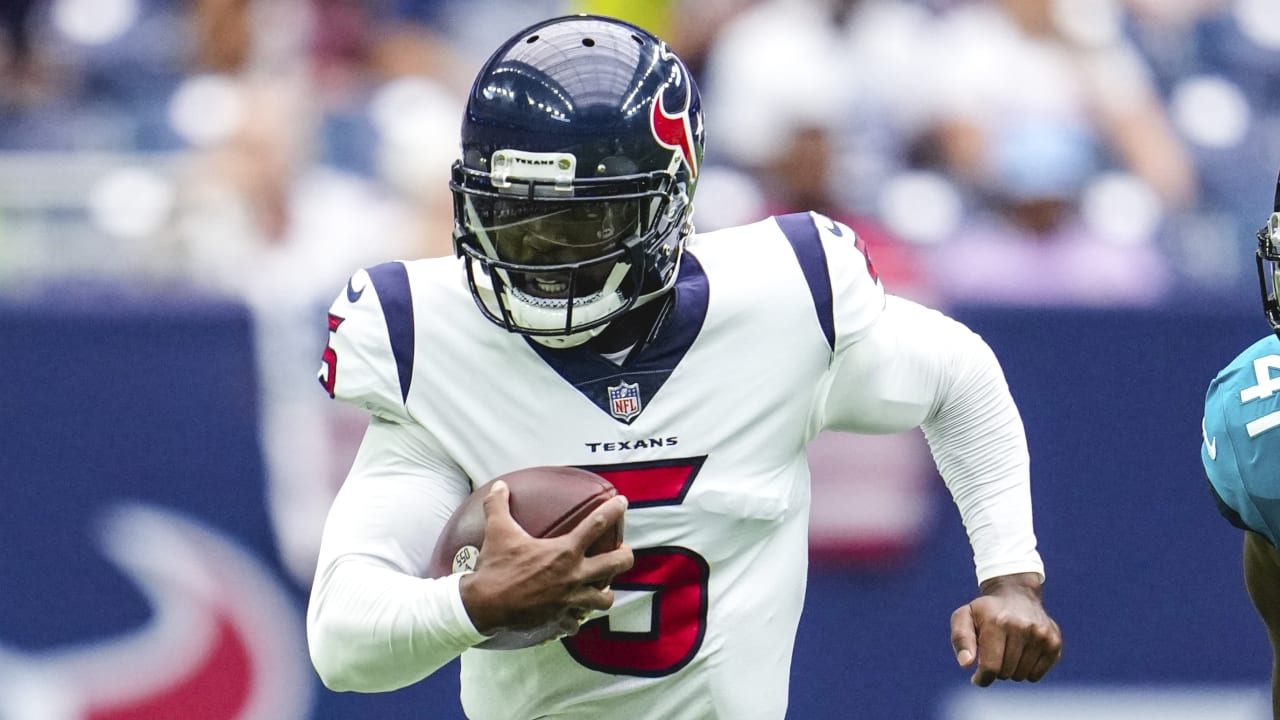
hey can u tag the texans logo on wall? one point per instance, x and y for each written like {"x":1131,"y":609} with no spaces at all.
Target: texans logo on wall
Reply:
{"x":138,"y":578}
{"x":223,"y":642}
{"x":141,"y":557}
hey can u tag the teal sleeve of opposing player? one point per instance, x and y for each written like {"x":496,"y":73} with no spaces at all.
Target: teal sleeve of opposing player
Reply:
{"x":1240,"y":450}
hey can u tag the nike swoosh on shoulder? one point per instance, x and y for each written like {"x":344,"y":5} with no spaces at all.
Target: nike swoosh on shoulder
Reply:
{"x":1211,"y":446}
{"x":352,"y":294}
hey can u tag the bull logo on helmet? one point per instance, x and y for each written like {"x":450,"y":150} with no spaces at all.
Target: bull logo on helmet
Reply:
{"x":675,"y":131}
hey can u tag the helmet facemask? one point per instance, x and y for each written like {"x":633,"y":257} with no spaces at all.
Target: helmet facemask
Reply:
{"x":555,"y":258}
{"x":1268,"y":259}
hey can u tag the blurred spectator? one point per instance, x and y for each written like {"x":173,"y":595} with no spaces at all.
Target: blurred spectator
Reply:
{"x":853,"y":68}
{"x":690,"y":27}
{"x":1235,"y":39}
{"x":801,"y":178}
{"x":1217,"y":63}
{"x":1003,"y":64}
{"x":1033,"y":244}
{"x":469,"y":28}
{"x":822,"y":130}
{"x":319,"y":151}
{"x":19,"y":65}
{"x":223,"y":34}
{"x":360,"y":49}
{"x":1160,"y":29}
{"x":261,"y":220}
{"x":1036,"y":101}
{"x":91,"y":75}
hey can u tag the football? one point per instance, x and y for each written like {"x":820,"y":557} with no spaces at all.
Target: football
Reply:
{"x":546,"y":501}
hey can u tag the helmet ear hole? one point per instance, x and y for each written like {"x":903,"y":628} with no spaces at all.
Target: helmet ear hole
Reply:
{"x":614,"y":165}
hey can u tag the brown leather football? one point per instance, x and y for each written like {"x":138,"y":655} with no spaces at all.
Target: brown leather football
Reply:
{"x":546,"y":501}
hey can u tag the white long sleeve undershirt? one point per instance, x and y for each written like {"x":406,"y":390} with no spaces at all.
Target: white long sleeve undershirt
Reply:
{"x":405,"y":628}
{"x":917,"y":367}
{"x":374,"y":623}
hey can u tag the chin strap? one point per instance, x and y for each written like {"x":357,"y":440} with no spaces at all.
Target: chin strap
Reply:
{"x":658,"y":321}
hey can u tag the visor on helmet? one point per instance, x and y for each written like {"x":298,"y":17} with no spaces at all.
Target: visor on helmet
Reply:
{"x":556,"y":249}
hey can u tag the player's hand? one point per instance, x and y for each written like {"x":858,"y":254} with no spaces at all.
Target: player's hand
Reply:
{"x":521,"y":581}
{"x":1006,"y":631}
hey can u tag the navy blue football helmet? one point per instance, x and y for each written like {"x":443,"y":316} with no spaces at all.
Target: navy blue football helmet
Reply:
{"x":580,"y":151}
{"x":1268,"y":257}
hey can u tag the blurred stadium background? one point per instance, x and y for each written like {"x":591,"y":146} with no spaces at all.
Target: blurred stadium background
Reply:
{"x":185,"y":185}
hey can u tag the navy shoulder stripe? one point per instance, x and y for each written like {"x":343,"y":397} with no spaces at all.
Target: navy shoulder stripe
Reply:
{"x":802,"y":233}
{"x":392,"y":282}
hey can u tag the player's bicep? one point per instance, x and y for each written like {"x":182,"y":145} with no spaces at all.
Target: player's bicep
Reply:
{"x":891,"y":379}
{"x":396,"y":499}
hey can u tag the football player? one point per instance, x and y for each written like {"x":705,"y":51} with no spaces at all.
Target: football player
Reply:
{"x":1241,"y":448}
{"x":583,"y":323}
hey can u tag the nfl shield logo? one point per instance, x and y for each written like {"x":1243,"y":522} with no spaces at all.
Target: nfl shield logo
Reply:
{"x":624,"y":400}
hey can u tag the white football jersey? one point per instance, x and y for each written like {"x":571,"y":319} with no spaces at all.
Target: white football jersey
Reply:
{"x":704,"y":431}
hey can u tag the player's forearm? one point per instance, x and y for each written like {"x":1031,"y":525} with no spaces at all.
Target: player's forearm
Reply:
{"x":1275,"y":689}
{"x":980,"y":447}
{"x":1262,"y":580}
{"x":371,"y":628}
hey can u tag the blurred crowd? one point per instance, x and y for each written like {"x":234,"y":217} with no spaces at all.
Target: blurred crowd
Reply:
{"x":1017,"y":152}
{"x":1006,"y":151}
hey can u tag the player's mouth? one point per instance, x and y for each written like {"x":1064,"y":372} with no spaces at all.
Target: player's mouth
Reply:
{"x":549,"y":287}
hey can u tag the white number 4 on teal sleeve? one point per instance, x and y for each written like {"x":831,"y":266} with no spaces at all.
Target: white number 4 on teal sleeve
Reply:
{"x":1268,"y":385}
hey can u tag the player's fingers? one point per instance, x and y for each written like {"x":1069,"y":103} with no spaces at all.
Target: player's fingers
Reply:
{"x":1047,"y":659}
{"x":590,"y":598}
{"x":497,"y":511}
{"x":1042,"y":641}
{"x":1042,"y":666}
{"x":601,"y":519}
{"x":964,"y":638}
{"x":604,"y":567}
{"x":569,"y":621}
{"x":1027,"y":661}
{"x":991,"y":647}
{"x":1015,"y":647}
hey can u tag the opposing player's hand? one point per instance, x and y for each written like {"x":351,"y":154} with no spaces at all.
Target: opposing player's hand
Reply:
{"x":1006,"y":631}
{"x":522,"y":581}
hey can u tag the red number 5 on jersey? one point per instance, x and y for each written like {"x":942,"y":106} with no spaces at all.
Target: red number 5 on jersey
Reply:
{"x":329,"y":371}
{"x":676,"y":577}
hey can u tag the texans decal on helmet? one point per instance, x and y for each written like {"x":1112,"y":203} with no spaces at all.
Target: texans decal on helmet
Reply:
{"x":675,"y":131}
